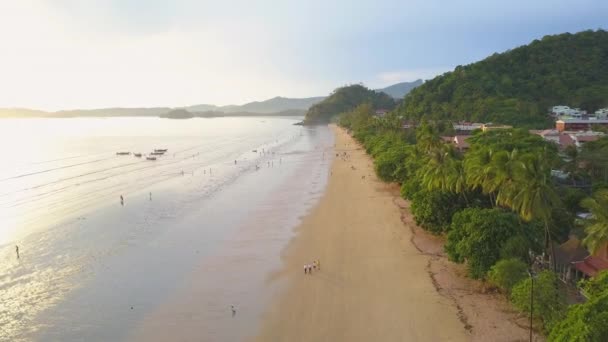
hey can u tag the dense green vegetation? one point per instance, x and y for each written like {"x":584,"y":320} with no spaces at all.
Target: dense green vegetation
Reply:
{"x":587,"y":321}
{"x":496,"y":203}
{"x":477,"y":236}
{"x":549,"y":300}
{"x":517,"y":87}
{"x":508,"y":272}
{"x":345,"y":99}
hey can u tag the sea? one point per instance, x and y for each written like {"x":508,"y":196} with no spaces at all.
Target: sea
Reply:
{"x":111,"y":244}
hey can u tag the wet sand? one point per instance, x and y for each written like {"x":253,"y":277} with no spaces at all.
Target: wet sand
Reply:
{"x":373,"y":284}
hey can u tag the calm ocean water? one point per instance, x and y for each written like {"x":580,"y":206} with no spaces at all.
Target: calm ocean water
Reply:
{"x":93,"y":269}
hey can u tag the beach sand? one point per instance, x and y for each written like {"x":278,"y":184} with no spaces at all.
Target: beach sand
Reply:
{"x":373,"y":284}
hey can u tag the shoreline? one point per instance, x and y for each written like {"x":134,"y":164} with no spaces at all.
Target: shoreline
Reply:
{"x":373,"y":282}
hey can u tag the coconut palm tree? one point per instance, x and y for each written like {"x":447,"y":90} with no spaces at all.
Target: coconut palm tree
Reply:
{"x":477,"y":169}
{"x":532,"y":194}
{"x":501,"y":176}
{"x":597,"y":225}
{"x":438,"y":172}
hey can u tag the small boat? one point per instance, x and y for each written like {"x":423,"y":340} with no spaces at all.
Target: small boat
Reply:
{"x":151,"y":158}
{"x":123,"y":153}
{"x":157,"y":153}
{"x":255,"y":151}
{"x":138,"y":155}
{"x":162,"y":150}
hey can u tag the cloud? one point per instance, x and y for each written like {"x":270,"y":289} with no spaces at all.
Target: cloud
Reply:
{"x":409,"y":75}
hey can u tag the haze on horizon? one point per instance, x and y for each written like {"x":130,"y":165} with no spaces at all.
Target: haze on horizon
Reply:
{"x":68,"y":54}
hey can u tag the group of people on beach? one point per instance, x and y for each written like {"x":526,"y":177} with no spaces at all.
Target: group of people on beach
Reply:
{"x":308,"y":268}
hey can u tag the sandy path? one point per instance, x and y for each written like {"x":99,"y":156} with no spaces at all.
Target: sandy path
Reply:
{"x":373,"y":285}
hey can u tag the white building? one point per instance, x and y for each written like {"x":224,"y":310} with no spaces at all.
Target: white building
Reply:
{"x":466,"y":127}
{"x":565,"y":111}
{"x":601,"y":113}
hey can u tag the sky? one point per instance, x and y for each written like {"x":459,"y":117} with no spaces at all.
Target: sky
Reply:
{"x":67,"y":54}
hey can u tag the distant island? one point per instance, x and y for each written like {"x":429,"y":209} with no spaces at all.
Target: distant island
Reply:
{"x":184,"y":114}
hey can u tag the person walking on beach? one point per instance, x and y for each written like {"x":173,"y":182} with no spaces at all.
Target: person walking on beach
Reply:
{"x":305,"y":269}
{"x":150,"y":196}
{"x":122,"y":200}
{"x":233,"y":310}
{"x":17,"y":251}
{"x":314,"y":265}
{"x":318,"y":264}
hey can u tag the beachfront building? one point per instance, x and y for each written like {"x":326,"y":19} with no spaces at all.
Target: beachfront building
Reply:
{"x":466,"y":128}
{"x":574,"y":262}
{"x":566,"y":255}
{"x":579,"y":124}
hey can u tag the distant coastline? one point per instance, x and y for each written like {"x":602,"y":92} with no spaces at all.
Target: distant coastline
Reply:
{"x":167,"y":113}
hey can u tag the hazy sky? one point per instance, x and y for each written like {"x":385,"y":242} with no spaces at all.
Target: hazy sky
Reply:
{"x":57,"y":54}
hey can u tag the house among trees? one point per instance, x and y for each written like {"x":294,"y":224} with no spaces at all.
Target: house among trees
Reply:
{"x":458,"y":141}
{"x":565,"y":139}
{"x":574,"y":262}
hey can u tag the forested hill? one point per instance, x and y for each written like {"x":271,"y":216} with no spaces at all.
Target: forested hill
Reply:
{"x":345,"y":99}
{"x":518,"y":86}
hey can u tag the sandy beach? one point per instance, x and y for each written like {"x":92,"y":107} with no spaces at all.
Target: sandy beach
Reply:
{"x":373,"y":283}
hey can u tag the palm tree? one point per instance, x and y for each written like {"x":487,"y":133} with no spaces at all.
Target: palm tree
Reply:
{"x":532,"y":194}
{"x":501,"y":176}
{"x":427,"y":139}
{"x":438,"y":172}
{"x":597,"y":225}
{"x":444,"y":171}
{"x":477,"y":169}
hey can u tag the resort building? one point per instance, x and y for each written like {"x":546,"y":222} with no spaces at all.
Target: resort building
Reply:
{"x":579,"y":124}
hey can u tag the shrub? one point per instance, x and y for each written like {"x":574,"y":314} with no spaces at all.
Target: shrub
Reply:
{"x":549,"y":301}
{"x":477,"y":235}
{"x":587,"y":322}
{"x":508,"y":272}
{"x":433,"y":210}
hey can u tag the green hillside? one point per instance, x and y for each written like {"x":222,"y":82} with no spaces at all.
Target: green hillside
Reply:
{"x":518,"y":86}
{"x":345,"y":99}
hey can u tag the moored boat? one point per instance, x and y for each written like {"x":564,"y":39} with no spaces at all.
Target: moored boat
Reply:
{"x":138,"y":155}
{"x":123,"y":153}
{"x":151,"y":158}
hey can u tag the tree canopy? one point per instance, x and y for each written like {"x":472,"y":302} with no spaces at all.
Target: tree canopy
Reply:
{"x":345,"y":99}
{"x":518,"y":86}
